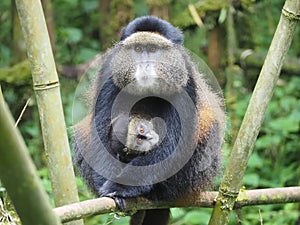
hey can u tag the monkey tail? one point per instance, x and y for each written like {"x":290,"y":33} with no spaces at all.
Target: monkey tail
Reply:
{"x":151,"y":217}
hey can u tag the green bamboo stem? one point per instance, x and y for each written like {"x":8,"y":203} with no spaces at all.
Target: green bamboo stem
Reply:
{"x":18,"y":174}
{"x":207,"y":199}
{"x":253,"y":119}
{"x":46,"y":86}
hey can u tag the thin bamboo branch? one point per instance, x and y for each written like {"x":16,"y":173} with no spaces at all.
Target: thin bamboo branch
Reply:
{"x":20,"y":73}
{"x":250,"y":59}
{"x":46,"y":86}
{"x":22,"y":112}
{"x":207,"y":199}
{"x":18,"y":174}
{"x":253,"y":119}
{"x":195,"y":15}
{"x":231,"y":37}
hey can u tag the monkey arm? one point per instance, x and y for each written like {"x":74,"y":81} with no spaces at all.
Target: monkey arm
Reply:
{"x":118,"y":133}
{"x":120,"y":192}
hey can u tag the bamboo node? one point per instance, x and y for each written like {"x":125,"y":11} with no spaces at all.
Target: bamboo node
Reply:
{"x":290,"y":15}
{"x":42,"y":87}
{"x":229,"y":194}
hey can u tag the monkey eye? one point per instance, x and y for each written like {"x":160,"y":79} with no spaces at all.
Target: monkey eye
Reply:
{"x":152,"y":49}
{"x":142,"y":130}
{"x":138,"y":48}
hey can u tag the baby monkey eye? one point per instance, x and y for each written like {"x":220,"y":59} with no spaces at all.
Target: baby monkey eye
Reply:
{"x":142,"y":130}
{"x":138,"y":49}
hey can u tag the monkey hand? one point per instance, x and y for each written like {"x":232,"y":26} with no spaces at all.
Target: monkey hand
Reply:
{"x":120,"y":192}
{"x":114,"y":191}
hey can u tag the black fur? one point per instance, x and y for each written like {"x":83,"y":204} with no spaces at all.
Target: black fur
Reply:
{"x":192,"y":176}
{"x":173,"y":187}
{"x":153,"y":24}
{"x":151,"y":217}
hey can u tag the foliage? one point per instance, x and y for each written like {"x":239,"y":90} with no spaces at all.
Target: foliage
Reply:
{"x":275,"y":161}
{"x":7,"y":212}
{"x":5,"y":18}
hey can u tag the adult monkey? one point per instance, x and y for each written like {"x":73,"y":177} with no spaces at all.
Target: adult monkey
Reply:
{"x":148,"y":75}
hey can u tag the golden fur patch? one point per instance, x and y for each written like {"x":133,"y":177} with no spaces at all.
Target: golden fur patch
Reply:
{"x":205,"y":120}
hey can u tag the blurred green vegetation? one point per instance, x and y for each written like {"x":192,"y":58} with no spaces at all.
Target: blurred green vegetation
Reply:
{"x":275,"y":161}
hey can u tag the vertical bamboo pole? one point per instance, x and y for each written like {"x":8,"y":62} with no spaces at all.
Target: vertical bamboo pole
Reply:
{"x":231,"y":37}
{"x":47,"y":92}
{"x":253,"y":119}
{"x":18,"y":174}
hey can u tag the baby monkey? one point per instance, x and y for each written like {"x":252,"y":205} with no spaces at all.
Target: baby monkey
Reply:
{"x":141,"y":136}
{"x":137,"y":134}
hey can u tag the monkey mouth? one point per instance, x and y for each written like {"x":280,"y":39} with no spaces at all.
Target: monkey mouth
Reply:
{"x":146,"y":80}
{"x":142,"y":137}
{"x":145,"y":74}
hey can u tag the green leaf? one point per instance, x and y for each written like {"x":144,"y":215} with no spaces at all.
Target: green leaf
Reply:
{"x":222,"y":16}
{"x":255,"y":161}
{"x":251,"y":179}
{"x":89,"y":6}
{"x":196,"y":217}
{"x":71,"y":35}
{"x":71,"y":2}
{"x":284,"y":124}
{"x":267,"y":141}
{"x":86,"y":54}
{"x":177,"y":213}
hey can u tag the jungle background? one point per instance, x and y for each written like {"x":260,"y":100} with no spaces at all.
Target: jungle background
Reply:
{"x":80,"y":30}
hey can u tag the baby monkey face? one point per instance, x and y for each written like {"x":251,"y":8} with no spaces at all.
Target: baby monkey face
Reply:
{"x":143,"y":138}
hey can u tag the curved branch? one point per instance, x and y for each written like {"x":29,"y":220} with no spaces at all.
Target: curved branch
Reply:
{"x":104,"y":205}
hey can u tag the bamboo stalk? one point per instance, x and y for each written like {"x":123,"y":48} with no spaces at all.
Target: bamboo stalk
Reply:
{"x":253,"y":119}
{"x":207,"y":199}
{"x":18,"y":174}
{"x":46,"y":86}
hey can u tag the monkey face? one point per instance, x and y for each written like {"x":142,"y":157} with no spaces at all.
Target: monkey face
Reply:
{"x":141,"y":137}
{"x":147,"y":63}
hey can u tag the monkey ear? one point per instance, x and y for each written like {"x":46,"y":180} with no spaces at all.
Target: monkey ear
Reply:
{"x":153,"y":24}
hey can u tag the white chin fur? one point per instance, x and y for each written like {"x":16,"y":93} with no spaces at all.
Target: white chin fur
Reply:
{"x":149,"y":85}
{"x":146,"y":81}
{"x":146,"y":76}
{"x":153,"y":88}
